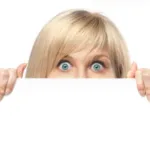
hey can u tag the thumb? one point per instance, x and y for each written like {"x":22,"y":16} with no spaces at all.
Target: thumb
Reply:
{"x":132,"y":71}
{"x":20,"y":70}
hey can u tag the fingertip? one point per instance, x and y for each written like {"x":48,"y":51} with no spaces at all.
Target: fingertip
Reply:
{"x":134,"y":66}
{"x":130,"y":74}
{"x":1,"y":97}
{"x":148,"y":98}
{"x":8,"y":91}
{"x":20,"y":70}
{"x":132,"y":71}
{"x":139,"y":78}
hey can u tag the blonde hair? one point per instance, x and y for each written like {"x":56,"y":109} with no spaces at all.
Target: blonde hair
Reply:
{"x":77,"y":30}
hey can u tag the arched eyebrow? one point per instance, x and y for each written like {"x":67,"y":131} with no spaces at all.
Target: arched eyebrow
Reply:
{"x":68,"y":57}
{"x":98,"y":57}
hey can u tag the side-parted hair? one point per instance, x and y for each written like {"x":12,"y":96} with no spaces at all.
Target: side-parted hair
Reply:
{"x":77,"y":30}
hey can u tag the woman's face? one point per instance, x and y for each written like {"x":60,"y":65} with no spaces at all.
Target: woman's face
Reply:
{"x":82,"y":64}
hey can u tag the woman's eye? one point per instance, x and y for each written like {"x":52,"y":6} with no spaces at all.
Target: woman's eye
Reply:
{"x":97,"y":66}
{"x":65,"y":66}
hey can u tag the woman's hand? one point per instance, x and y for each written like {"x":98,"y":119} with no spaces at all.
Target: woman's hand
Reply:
{"x":142,"y":77}
{"x":8,"y":79}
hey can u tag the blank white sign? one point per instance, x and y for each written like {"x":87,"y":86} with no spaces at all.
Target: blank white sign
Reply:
{"x":76,"y":114}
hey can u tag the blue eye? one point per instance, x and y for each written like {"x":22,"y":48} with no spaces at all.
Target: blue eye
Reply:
{"x":64,"y":66}
{"x":97,"y":66}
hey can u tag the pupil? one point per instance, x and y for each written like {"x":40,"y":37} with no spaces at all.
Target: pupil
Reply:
{"x":96,"y":66}
{"x":65,"y":66}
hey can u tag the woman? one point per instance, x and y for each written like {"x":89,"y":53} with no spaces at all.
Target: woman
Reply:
{"x":78,"y":44}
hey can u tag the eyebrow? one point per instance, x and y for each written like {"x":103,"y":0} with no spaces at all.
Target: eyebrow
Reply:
{"x":67,"y":57}
{"x":100,"y":56}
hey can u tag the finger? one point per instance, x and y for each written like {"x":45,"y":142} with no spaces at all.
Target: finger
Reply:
{"x":4,"y":76}
{"x":1,"y":97}
{"x":11,"y":81}
{"x":146,"y":80}
{"x":140,"y":83}
{"x":132,"y":71}
{"x":20,"y":70}
{"x":130,"y":74}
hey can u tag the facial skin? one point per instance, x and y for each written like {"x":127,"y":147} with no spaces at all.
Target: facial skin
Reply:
{"x":83,"y":64}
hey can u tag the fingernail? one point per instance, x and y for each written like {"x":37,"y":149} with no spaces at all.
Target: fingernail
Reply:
{"x":1,"y":98}
{"x":148,"y":97}
{"x":7,"y":91}
{"x":142,"y":93}
{"x":139,"y":77}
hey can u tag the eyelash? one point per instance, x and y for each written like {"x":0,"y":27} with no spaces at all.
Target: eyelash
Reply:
{"x":98,"y":61}
{"x":62,"y":61}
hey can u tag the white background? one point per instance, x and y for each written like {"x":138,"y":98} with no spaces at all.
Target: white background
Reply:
{"x":21,"y":21}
